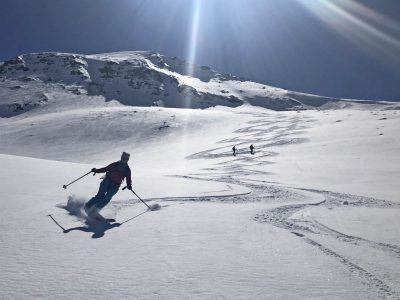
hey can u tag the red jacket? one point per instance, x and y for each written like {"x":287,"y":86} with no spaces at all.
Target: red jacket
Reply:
{"x":117,"y":172}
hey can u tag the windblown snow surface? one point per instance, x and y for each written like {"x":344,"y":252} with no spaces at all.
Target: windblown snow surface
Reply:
{"x":314,"y":213}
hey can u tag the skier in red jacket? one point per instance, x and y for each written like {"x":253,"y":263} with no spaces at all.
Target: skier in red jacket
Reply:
{"x":116,"y":173}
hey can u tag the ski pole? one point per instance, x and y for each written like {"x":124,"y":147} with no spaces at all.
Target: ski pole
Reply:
{"x":65,"y":185}
{"x":138,"y":198}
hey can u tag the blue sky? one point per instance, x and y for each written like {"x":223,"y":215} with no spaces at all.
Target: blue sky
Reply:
{"x":338,"y":48}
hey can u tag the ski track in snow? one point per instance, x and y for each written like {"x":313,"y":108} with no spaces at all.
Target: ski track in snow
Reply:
{"x":264,"y":133}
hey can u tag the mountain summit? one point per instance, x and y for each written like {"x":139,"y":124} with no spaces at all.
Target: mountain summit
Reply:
{"x":138,"y":79}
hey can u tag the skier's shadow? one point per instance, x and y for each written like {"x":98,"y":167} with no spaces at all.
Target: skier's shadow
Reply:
{"x":98,"y":228}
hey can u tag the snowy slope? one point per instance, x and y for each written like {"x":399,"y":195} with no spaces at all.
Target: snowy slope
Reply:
{"x":196,"y":250}
{"x":276,"y":242}
{"x":312,"y":214}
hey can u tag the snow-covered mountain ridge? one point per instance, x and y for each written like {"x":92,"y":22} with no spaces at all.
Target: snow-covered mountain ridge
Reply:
{"x":135,"y":79}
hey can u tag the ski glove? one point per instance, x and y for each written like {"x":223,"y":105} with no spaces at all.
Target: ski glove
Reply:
{"x":94,"y":170}
{"x":129,"y":187}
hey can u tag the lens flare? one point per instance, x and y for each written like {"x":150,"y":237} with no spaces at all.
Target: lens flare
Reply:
{"x":194,"y":33}
{"x":359,"y":24}
{"x":192,"y":47}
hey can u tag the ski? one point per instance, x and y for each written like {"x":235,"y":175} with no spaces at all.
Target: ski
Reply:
{"x":100,"y":219}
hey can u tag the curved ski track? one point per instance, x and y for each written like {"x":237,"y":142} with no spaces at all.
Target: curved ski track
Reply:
{"x":265,"y":132}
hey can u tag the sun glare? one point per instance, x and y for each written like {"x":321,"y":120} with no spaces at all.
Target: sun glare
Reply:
{"x":191,"y":59}
{"x":359,"y":24}
{"x":194,"y":32}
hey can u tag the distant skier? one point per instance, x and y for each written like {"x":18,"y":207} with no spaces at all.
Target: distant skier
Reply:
{"x":234,"y":150}
{"x":251,"y":149}
{"x":116,"y":173}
